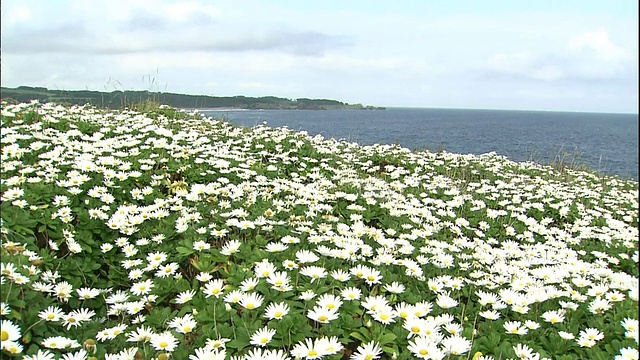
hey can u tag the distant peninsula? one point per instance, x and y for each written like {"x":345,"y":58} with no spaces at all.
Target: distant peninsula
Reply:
{"x":124,"y":99}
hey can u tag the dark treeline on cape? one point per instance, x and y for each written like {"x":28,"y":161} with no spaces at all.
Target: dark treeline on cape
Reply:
{"x":124,"y":99}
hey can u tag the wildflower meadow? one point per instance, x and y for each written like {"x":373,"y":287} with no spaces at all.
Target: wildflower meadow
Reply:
{"x":166,"y":234}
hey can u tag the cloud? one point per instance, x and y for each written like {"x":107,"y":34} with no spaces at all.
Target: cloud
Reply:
{"x":525,"y":66}
{"x":146,"y":33}
{"x":17,"y":15}
{"x":171,"y":17}
{"x":69,"y":38}
{"x":599,"y":43}
{"x":307,"y":43}
{"x":152,"y":27}
{"x":588,"y":57}
{"x":144,"y":21}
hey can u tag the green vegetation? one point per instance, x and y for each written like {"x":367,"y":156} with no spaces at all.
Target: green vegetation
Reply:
{"x":139,"y":234}
{"x":126,"y":99}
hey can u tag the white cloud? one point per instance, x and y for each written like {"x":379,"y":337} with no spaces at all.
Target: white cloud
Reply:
{"x":599,"y":42}
{"x":17,"y":15}
{"x":589,"y":56}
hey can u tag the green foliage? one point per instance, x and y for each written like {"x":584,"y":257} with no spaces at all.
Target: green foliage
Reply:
{"x":148,"y":100}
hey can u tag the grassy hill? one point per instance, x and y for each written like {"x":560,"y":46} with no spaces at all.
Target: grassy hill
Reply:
{"x":124,"y":99}
{"x":139,"y":235}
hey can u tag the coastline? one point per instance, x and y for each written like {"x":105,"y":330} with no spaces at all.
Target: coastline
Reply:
{"x":122,"y":99}
{"x":269,"y":109}
{"x":219,"y":109}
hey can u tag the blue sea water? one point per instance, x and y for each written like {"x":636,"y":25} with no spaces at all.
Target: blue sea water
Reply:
{"x":607,"y":143}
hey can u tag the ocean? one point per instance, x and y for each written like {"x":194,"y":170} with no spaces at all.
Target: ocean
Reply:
{"x":607,"y":143}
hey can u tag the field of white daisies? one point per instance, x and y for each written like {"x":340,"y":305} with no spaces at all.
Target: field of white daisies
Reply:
{"x":166,"y":234}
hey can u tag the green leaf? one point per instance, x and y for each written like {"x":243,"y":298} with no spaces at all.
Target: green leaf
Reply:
{"x":386,"y":338}
{"x":237,"y":344}
{"x":185,"y":250}
{"x":260,"y":240}
{"x":389,"y":350}
{"x":26,"y":338}
{"x":357,"y":335}
{"x":16,"y":315}
{"x":19,"y":303}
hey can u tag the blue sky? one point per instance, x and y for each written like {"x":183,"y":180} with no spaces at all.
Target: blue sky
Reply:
{"x":526,"y":55}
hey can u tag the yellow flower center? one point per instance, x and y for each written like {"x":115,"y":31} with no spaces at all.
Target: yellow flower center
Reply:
{"x":323,"y":318}
{"x":278,"y":314}
{"x":368,"y":357}
{"x":250,"y":306}
{"x":331,"y":306}
{"x":187,"y":329}
{"x":4,"y":336}
{"x":312,"y":352}
{"x":163,"y":344}
{"x":215,"y":291}
{"x":50,"y":316}
{"x":415,"y":329}
{"x":423,"y":352}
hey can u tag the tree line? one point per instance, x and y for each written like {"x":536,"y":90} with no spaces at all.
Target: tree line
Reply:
{"x":124,"y":99}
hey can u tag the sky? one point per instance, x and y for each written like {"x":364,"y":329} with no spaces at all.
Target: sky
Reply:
{"x":570,"y":55}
